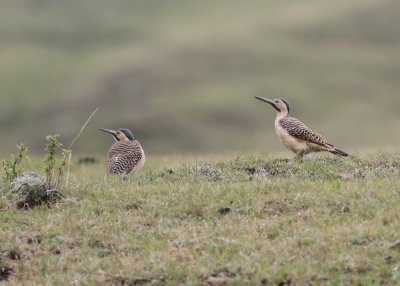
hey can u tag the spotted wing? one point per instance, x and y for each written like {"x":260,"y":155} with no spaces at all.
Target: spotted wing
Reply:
{"x":123,"y":156}
{"x":298,"y":129}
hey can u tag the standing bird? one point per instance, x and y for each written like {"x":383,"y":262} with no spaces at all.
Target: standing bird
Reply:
{"x":125,"y":155}
{"x":295,"y":135}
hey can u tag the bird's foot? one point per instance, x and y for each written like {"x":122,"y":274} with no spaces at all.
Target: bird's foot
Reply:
{"x":298,"y":158}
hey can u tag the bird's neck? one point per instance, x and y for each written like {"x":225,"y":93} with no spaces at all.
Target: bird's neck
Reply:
{"x":280,"y":115}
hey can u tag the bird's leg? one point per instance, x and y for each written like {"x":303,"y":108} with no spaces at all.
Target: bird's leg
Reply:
{"x":299,"y":156}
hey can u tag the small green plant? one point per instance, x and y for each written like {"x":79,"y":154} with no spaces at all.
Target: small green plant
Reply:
{"x":51,"y":156}
{"x":54,"y":166}
{"x":10,"y":167}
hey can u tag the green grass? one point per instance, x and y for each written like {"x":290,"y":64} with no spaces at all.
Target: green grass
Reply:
{"x":183,"y":221}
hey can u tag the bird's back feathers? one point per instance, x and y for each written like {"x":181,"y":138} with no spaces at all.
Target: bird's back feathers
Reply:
{"x":299,"y":130}
{"x":123,"y":156}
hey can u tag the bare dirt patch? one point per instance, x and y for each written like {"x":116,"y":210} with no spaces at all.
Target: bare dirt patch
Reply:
{"x":5,"y":271}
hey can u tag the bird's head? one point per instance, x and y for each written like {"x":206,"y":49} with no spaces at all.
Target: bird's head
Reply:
{"x":281,"y":105}
{"x":121,"y":134}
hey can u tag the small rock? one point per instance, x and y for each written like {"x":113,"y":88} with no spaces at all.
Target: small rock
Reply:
{"x":31,"y":189}
{"x":261,"y":172}
{"x":27,"y":179}
{"x":87,"y":160}
{"x":389,"y":259}
{"x":396,"y":246}
{"x":224,"y":210}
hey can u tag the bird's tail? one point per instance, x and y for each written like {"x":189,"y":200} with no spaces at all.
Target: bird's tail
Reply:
{"x":338,"y":152}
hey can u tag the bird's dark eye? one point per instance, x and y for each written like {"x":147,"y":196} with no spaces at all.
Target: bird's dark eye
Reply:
{"x":276,"y":101}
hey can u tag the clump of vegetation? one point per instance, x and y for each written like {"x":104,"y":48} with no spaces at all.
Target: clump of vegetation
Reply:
{"x":243,"y":169}
{"x":29,"y":189}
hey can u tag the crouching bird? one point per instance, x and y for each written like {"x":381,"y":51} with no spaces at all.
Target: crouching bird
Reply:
{"x":295,"y":135}
{"x":125,"y":155}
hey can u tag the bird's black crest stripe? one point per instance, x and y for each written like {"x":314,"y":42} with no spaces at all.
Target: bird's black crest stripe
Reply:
{"x":286,"y":102}
{"x":127,"y":133}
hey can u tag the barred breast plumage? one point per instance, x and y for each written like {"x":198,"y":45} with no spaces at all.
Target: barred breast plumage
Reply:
{"x":124,"y":157}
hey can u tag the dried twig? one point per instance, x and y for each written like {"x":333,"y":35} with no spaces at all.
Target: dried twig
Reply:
{"x":73,"y":141}
{"x":83,"y":127}
{"x":69,"y":160}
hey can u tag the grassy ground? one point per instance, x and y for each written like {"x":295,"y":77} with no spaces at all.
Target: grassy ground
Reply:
{"x":235,"y":221}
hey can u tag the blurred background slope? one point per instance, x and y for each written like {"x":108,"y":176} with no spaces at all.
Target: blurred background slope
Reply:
{"x":182,"y":74}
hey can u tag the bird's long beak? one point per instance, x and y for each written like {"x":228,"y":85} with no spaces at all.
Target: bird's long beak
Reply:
{"x":112,"y":132}
{"x":268,"y":101}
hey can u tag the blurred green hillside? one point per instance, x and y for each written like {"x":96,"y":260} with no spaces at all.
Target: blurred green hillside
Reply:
{"x":182,"y":74}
